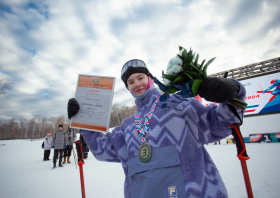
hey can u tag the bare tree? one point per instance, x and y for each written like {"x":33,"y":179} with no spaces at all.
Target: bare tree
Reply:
{"x":120,"y":112}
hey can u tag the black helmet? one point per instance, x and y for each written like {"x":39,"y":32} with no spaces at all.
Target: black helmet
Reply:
{"x":134,"y":66}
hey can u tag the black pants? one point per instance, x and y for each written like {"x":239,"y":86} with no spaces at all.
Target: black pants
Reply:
{"x":85,"y":149}
{"x":67,"y":151}
{"x":47,"y":154}
{"x":55,"y":155}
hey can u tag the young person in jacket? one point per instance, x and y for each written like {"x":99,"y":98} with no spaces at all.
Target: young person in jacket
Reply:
{"x":58,"y":144}
{"x":71,"y":137}
{"x":179,"y":165}
{"x":47,"y":146}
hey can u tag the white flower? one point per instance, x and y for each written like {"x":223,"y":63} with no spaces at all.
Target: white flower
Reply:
{"x":166,"y":81}
{"x":174,"y":66}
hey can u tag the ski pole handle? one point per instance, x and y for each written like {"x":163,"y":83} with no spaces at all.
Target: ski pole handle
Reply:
{"x":79,"y":151}
{"x":240,"y":145}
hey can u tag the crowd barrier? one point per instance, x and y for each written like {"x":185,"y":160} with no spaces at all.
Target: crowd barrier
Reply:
{"x":258,"y":138}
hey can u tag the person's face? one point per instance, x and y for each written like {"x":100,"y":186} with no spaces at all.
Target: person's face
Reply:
{"x":137,"y":83}
{"x":60,"y":128}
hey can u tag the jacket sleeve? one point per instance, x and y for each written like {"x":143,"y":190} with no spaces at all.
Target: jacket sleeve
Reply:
{"x":74,"y":135}
{"x":109,"y":147}
{"x":53,"y":138}
{"x":212,"y":121}
{"x":65,"y":138}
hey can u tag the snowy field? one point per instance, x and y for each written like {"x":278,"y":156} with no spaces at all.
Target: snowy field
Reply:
{"x":24,"y":174}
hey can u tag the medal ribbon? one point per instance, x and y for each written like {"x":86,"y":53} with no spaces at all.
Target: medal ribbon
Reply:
{"x":139,"y":129}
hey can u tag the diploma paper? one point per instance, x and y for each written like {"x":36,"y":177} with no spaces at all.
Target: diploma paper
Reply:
{"x":94,"y":95}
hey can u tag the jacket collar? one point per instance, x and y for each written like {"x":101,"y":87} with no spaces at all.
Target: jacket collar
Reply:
{"x":143,"y":104}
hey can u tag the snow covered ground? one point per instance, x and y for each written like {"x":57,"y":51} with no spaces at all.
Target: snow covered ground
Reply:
{"x":24,"y":174}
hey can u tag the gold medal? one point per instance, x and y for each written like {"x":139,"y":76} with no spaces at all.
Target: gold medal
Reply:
{"x":145,"y":152}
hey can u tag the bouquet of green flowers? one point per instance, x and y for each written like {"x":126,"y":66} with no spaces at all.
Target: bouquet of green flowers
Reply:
{"x":184,"y":75}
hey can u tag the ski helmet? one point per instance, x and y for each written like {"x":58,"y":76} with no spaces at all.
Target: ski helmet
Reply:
{"x":134,"y":66}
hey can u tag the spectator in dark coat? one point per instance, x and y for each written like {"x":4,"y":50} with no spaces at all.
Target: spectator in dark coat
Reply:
{"x":47,"y":146}
{"x":84,"y":147}
{"x":71,"y":137}
{"x":58,"y":143}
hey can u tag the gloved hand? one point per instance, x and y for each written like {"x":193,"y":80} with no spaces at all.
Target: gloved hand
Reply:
{"x":73,"y":107}
{"x":218,"y":90}
{"x":52,"y":146}
{"x":65,"y":146}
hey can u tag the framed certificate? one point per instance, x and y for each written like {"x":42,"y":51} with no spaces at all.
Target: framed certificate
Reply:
{"x":94,"y":95}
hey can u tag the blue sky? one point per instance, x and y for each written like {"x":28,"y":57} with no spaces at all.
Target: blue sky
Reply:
{"x":45,"y":44}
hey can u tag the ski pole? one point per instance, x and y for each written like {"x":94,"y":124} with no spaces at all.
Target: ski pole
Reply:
{"x":242,"y":156}
{"x":81,"y":163}
{"x":74,"y":154}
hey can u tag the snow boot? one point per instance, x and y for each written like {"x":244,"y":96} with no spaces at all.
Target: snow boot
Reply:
{"x":60,"y":165}
{"x":64,"y":160}
{"x":68,"y":160}
{"x":54,"y":166}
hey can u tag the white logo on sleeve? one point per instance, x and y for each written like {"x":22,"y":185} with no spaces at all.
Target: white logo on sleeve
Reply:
{"x":172,"y":192}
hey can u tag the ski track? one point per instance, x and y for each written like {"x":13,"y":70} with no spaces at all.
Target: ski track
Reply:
{"x":23,"y":173}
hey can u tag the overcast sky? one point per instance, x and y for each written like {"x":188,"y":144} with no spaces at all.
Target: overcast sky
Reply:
{"x":45,"y":44}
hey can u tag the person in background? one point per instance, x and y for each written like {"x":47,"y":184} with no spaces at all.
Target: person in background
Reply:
{"x":216,"y":143}
{"x":84,"y":146}
{"x":71,"y":137}
{"x":47,"y":146}
{"x":58,"y":144}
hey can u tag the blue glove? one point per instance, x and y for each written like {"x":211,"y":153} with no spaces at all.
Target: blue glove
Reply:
{"x":52,"y":146}
{"x":65,"y":146}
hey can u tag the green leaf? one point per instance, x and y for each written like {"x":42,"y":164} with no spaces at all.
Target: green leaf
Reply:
{"x":195,"y":86}
{"x":189,"y":75}
{"x":180,"y":48}
{"x":208,"y":63}
{"x":172,"y":89}
{"x":184,"y":55}
{"x":187,"y":65}
{"x":194,"y":68}
{"x":193,"y":57}
{"x":195,"y":75}
{"x":189,"y":57}
{"x":169,"y":77}
{"x":179,"y":79}
{"x":201,"y":65}
{"x":205,"y":67}
{"x":196,"y":60}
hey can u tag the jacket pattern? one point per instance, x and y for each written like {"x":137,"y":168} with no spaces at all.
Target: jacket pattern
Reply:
{"x":185,"y":125}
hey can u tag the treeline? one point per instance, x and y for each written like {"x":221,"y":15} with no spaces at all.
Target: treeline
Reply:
{"x":119,"y":113}
{"x":35,"y":128}
{"x":38,"y":126}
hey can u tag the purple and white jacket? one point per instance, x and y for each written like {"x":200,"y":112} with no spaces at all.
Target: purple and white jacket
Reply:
{"x":180,"y":166}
